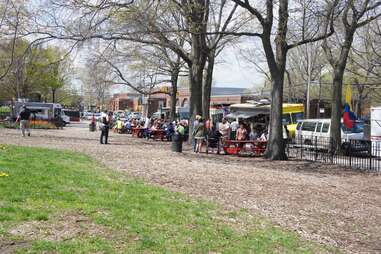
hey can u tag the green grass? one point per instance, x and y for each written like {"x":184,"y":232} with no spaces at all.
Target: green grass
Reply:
{"x":139,"y":218}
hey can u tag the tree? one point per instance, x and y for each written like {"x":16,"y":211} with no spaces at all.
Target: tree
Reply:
{"x":355,"y":14}
{"x":363,"y":70}
{"x":277,"y":58}
{"x":221,"y":18}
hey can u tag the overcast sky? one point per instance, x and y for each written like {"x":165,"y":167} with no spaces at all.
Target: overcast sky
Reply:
{"x":233,"y":71}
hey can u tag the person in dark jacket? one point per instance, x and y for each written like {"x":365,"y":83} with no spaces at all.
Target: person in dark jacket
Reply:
{"x":24,"y":118}
{"x":105,"y":127}
{"x":214,"y":137}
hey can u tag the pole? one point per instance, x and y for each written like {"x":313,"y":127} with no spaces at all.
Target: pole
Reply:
{"x":308,"y":81}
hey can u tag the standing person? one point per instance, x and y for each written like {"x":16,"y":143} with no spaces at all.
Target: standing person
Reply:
{"x":254,"y":135}
{"x":181,"y":130}
{"x":199,"y":135}
{"x":105,"y":126}
{"x":195,"y":125}
{"x":24,"y":118}
{"x":241,"y":132}
{"x":234,"y":126}
{"x":224,"y":129}
{"x":214,"y":139}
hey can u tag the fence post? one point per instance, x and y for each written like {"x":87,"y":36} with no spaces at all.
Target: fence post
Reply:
{"x":301,"y":147}
{"x":316,"y":151}
{"x":331,"y":149}
{"x":370,"y":154}
{"x":350,"y":153}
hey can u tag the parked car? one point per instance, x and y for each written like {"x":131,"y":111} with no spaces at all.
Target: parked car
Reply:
{"x":316,"y":133}
{"x":135,"y":115}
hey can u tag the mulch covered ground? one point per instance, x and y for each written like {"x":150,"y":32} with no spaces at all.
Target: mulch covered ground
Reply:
{"x":328,"y":204}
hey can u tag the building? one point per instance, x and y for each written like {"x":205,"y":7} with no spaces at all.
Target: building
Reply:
{"x":125,"y":101}
{"x":220,"y":97}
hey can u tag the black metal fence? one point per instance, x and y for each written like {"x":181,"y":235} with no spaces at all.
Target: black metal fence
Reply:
{"x":356,"y":154}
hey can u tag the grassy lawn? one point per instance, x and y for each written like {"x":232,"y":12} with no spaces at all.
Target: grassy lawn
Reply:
{"x":54,"y":201}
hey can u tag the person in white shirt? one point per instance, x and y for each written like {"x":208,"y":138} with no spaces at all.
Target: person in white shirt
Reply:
{"x":147,"y":122}
{"x":234,"y":127}
{"x":224,"y":129}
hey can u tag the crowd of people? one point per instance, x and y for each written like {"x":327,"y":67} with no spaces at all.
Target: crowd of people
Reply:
{"x":205,"y":132}
{"x":214,"y":132}
{"x":148,"y":126}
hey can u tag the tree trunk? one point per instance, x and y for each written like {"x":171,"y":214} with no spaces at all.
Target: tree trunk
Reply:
{"x":207,"y":86}
{"x":198,"y":56}
{"x":195,"y":80}
{"x":277,"y":67}
{"x":360,"y":99}
{"x":276,"y":146}
{"x":54,"y":95}
{"x":319,"y":99}
{"x":174,"y":77}
{"x":337,"y":95}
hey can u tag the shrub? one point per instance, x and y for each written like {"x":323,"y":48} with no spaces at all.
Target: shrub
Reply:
{"x":5,"y":109}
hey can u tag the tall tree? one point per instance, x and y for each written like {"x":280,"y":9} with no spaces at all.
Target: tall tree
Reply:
{"x":221,"y":19}
{"x":277,"y":57}
{"x":355,"y":14}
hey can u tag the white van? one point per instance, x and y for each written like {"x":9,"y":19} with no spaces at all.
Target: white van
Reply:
{"x":320,"y":128}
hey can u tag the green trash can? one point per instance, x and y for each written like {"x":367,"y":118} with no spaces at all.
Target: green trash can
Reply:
{"x":177,"y":143}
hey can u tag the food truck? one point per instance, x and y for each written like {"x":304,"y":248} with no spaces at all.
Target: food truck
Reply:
{"x":42,"y":111}
{"x":260,"y":112}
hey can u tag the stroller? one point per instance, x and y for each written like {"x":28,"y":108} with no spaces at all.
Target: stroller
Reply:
{"x":213,"y":139}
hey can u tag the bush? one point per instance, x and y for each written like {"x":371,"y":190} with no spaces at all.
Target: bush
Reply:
{"x":5,"y":109}
{"x":4,"y":112}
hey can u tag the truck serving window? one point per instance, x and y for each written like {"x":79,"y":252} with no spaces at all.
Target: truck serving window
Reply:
{"x":297,"y":116}
{"x":286,"y":119}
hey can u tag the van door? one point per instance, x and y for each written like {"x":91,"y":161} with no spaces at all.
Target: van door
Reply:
{"x":325,"y":131}
{"x":308,"y":131}
{"x":318,"y":129}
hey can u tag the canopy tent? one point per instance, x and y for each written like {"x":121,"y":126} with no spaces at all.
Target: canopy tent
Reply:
{"x":246,"y":110}
{"x":242,"y":115}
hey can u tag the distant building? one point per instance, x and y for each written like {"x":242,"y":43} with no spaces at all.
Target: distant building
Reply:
{"x":221,"y":96}
{"x":125,"y":101}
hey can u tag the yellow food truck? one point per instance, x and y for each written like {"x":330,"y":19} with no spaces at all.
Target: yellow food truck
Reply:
{"x":292,"y":113}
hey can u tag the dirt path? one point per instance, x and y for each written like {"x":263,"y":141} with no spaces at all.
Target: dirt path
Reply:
{"x":323,"y":203}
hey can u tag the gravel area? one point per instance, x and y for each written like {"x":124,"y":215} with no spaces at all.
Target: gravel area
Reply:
{"x":327,"y":204}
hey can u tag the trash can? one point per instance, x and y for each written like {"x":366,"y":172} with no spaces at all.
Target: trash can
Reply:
{"x":92,"y":127}
{"x":177,"y":143}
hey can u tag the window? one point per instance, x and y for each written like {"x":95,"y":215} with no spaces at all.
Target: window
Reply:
{"x":318,"y":128}
{"x":308,"y":126}
{"x":297,"y":116}
{"x":325,"y":128}
{"x":286,"y":119}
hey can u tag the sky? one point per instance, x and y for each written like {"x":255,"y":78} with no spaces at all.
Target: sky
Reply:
{"x":230,"y":70}
{"x":233,"y":71}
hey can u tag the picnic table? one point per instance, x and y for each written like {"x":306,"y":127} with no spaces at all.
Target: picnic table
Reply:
{"x":138,"y":132}
{"x":240,"y":147}
{"x":157,"y":134}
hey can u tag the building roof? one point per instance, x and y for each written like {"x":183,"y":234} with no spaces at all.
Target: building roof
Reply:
{"x":226,"y":91}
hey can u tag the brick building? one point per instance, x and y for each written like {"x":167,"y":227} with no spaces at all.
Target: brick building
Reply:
{"x":221,"y":96}
{"x":124,"y":101}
